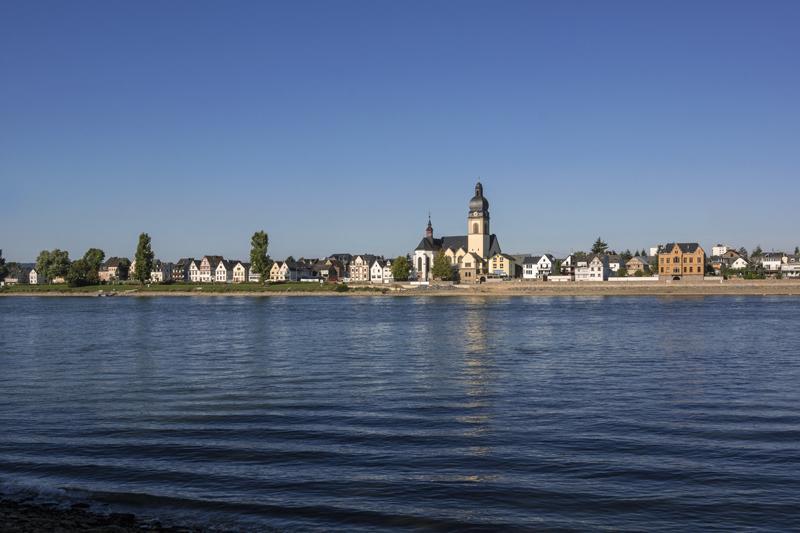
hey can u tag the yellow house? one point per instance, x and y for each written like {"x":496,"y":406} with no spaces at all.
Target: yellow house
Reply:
{"x":681,"y":260}
{"x":503,"y":265}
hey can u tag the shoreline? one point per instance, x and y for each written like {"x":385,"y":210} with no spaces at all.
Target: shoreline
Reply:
{"x":29,"y":517}
{"x":488,"y":290}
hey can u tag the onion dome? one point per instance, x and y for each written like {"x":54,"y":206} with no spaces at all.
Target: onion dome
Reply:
{"x":478,"y":202}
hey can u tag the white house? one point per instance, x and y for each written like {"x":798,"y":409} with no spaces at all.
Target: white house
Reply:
{"x":194,"y":271}
{"x":361,"y":267}
{"x":530,"y":267}
{"x":388,"y":276}
{"x":772,"y":262}
{"x":791,"y":268}
{"x":594,"y":269}
{"x":738,"y":264}
{"x":224,"y":271}
{"x":33,"y":277}
{"x":376,"y":271}
{"x":241,"y":272}
{"x":545,"y":265}
{"x":719,"y":249}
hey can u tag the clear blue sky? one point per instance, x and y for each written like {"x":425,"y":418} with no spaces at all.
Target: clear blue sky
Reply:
{"x":337,"y":126}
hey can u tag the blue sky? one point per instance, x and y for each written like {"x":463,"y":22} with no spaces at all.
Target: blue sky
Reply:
{"x":337,"y":126}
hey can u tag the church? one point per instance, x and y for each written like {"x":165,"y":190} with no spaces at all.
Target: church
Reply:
{"x":469,"y":253}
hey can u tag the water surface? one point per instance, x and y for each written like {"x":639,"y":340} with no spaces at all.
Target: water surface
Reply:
{"x":419,"y":413}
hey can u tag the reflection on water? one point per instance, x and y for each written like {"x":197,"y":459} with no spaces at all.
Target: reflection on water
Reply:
{"x":417,"y":413}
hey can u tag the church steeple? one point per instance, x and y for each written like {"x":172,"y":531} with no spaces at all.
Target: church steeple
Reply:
{"x":478,"y":223}
{"x":429,"y":229}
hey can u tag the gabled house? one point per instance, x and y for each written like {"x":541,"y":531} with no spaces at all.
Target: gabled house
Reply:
{"x":160,"y":272}
{"x":181,"y":269}
{"x":224,"y":271}
{"x":545,"y":266}
{"x":241,"y":272}
{"x":208,"y":268}
{"x":473,"y":268}
{"x":360,"y":267}
{"x":111,"y":270}
{"x":194,"y":270}
{"x":34,"y":278}
{"x":594,"y":268}
{"x":376,"y":271}
{"x":615,"y":262}
{"x":284,"y":271}
{"x":637,"y":264}
{"x":679,"y":260}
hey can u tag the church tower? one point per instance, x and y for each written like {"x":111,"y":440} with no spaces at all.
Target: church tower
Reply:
{"x":478,"y":223}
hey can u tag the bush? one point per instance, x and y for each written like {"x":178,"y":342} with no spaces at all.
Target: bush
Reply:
{"x":342,"y":287}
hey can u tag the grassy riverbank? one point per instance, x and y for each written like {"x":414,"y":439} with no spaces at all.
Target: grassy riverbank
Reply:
{"x":126,"y":289}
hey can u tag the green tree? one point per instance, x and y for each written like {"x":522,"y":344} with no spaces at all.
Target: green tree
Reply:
{"x":52,"y":264}
{"x":557,"y":267}
{"x":758,"y":252}
{"x":622,"y":272}
{"x":442,"y":269}
{"x":599,"y":247}
{"x":259,"y":261}
{"x":144,"y":259}
{"x":400,"y":268}
{"x":797,"y":250}
{"x":94,"y":258}
{"x":81,"y":273}
{"x":626,"y":255}
{"x":124,"y":268}
{"x":3,"y":267}
{"x":742,"y":252}
{"x":638,"y":274}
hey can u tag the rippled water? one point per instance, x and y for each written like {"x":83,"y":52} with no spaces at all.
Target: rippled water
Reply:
{"x":440,"y":413}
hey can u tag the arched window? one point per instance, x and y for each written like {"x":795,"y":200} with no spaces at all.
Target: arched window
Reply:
{"x":419,"y":263}
{"x":474,"y":227}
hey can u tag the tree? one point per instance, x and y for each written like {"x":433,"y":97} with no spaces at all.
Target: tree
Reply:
{"x":643,"y":253}
{"x":557,"y":267}
{"x":94,"y":258}
{"x":638,"y":274}
{"x":622,"y":272}
{"x":626,"y":255}
{"x":124,"y":268}
{"x":758,"y":252}
{"x":797,"y":250}
{"x":144,"y":259}
{"x":3,"y":267}
{"x":742,"y":252}
{"x":52,"y":264}
{"x":599,"y":247}
{"x":259,"y":261}
{"x":81,"y":273}
{"x":400,"y":268}
{"x":442,"y":269}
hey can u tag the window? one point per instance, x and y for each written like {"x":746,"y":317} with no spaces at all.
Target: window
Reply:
{"x":474,"y":227}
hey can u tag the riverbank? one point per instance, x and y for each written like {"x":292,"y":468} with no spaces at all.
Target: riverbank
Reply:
{"x":770,"y":287}
{"x":18,"y":517}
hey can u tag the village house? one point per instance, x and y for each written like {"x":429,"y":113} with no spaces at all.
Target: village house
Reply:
{"x":241,"y":272}
{"x":161,"y":271}
{"x":594,"y":268}
{"x":224,"y":271}
{"x":503,"y":265}
{"x":615,"y":262}
{"x":637,"y":264}
{"x":718,"y":250}
{"x":208,"y":268}
{"x":360,"y":267}
{"x":791,"y":268}
{"x":568,"y":266}
{"x":284,"y":271}
{"x":18,"y":273}
{"x":110,"y":270}
{"x":34,"y":278}
{"x":473,"y":268}
{"x":771,"y":262}
{"x":376,"y":271}
{"x":194,"y":270}
{"x":681,"y":260}
{"x":181,"y":269}
{"x":530,"y":267}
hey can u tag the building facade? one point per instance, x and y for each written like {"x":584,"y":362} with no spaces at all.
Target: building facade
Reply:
{"x":680,"y":260}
